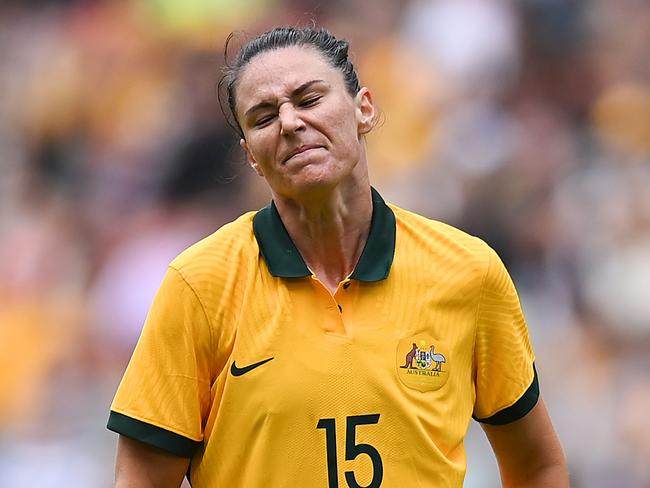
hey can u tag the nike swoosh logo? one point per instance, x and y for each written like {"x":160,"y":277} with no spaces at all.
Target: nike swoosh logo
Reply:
{"x":235,"y":371}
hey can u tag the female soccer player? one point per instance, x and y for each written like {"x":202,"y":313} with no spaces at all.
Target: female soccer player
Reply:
{"x":329,"y":339}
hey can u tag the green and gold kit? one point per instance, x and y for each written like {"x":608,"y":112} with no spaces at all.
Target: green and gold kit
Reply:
{"x":249,"y":366}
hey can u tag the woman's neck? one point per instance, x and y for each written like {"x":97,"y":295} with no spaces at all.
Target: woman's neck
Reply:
{"x":330,"y":232}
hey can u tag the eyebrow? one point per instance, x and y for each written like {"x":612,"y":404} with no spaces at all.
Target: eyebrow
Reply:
{"x":298,"y":91}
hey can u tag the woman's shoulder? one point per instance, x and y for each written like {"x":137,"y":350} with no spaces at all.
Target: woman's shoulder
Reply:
{"x":437,"y":233}
{"x":228,"y":246}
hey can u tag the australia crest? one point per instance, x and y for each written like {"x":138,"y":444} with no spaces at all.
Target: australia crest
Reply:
{"x":422,"y":362}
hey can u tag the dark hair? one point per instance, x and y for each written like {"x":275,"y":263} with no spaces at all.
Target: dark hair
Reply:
{"x":334,"y":50}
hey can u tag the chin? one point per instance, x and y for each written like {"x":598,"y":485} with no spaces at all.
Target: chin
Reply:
{"x":310,"y":187}
{"x":315,"y":175}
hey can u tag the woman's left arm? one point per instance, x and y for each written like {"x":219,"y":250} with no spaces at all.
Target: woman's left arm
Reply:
{"x":528,"y":451}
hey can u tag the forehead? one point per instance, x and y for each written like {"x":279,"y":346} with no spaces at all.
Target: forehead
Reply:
{"x":275,"y":73}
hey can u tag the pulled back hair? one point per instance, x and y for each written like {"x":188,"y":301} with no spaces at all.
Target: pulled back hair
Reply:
{"x":334,"y":50}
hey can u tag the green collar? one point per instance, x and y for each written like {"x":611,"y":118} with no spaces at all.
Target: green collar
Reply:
{"x":284,"y":260}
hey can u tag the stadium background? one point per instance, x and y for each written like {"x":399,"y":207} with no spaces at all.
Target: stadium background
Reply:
{"x":524,"y":122}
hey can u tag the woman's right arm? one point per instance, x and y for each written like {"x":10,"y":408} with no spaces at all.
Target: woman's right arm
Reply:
{"x":139,"y":465}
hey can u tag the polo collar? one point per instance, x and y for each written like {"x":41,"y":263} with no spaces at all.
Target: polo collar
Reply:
{"x":284,"y":260}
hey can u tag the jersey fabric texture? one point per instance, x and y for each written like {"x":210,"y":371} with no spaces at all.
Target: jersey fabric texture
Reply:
{"x":249,"y":366}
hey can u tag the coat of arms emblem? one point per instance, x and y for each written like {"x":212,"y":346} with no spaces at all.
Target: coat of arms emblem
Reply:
{"x":422,"y":362}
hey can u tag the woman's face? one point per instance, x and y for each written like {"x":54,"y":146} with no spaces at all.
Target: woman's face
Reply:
{"x":302,"y":129}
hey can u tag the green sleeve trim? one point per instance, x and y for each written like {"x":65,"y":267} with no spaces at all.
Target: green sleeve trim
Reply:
{"x":521,"y":407}
{"x":154,"y":436}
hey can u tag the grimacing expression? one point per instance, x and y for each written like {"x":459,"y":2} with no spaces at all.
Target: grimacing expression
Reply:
{"x":301,"y":126}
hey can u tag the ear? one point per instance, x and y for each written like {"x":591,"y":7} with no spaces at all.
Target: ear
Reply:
{"x":365,"y":111}
{"x":250,"y":158}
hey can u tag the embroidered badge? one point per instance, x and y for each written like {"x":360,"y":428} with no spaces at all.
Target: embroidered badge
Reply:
{"x":422,"y":362}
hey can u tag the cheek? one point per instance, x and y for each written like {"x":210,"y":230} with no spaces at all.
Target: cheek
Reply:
{"x":343,"y":126}
{"x":260,"y":144}
{"x":347,"y":136}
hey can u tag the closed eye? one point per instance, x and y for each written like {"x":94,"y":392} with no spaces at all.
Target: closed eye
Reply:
{"x":262,"y":121}
{"x":309,"y":101}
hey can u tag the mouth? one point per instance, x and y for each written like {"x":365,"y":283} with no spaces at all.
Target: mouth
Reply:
{"x":300,"y":150}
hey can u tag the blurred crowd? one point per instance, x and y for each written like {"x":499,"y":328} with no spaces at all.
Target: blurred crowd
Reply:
{"x":525,"y":122}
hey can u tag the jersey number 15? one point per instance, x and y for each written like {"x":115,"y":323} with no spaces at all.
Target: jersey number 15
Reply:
{"x":352,"y":450}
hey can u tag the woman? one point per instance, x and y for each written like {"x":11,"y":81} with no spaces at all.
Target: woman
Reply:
{"x":329,"y":339}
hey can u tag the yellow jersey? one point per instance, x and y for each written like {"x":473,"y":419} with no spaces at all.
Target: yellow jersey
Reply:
{"x":251,"y":367}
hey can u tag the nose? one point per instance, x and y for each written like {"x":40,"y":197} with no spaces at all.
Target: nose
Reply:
{"x":290,"y":121}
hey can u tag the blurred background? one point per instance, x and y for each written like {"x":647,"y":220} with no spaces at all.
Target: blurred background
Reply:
{"x":525,"y":122}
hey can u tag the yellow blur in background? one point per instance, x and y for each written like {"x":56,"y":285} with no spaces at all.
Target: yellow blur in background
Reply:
{"x":525,"y":123}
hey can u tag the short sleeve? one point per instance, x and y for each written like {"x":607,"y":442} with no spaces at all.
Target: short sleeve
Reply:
{"x":164,"y":395}
{"x":505,"y":377}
